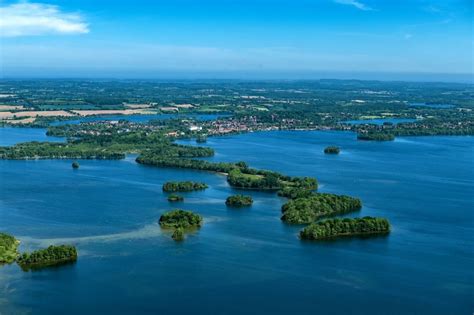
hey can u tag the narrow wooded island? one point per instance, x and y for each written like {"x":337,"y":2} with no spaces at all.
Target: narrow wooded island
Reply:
{"x":183,"y":186}
{"x":51,"y":256}
{"x":238,"y":201}
{"x":318,"y":205}
{"x":333,"y":228}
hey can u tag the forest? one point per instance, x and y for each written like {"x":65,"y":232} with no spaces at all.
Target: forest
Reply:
{"x":337,"y":227}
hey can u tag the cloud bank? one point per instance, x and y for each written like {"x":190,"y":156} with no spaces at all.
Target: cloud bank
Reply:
{"x":30,"y":19}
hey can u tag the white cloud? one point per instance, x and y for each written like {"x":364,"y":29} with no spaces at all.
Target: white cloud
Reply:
{"x":28,"y":19}
{"x":355,"y":3}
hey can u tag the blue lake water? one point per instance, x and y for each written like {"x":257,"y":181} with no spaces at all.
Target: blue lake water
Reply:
{"x":380,"y":121}
{"x":12,"y":135}
{"x":138,"y":118}
{"x":247,"y":261}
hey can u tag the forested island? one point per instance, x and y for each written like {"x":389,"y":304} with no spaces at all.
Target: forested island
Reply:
{"x":183,"y":186}
{"x":75,"y":165}
{"x":238,"y":201}
{"x":8,"y":248}
{"x":180,"y":218}
{"x":180,"y":221}
{"x":376,"y":136}
{"x":332,"y":150}
{"x":333,"y":228}
{"x":51,"y":256}
{"x":318,"y":205}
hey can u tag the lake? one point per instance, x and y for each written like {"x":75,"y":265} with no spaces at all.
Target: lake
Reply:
{"x":380,"y":121}
{"x":247,"y":261}
{"x":12,"y":135}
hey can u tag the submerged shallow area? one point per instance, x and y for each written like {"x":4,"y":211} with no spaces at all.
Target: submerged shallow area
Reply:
{"x":127,"y":264}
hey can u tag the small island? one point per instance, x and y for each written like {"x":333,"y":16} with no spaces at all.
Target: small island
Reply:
{"x":318,"y":205}
{"x":183,"y":186}
{"x":334,"y":228}
{"x":238,"y":201}
{"x":75,"y":165}
{"x":178,"y":234}
{"x":332,"y":150}
{"x":51,"y":256}
{"x":375,"y":136}
{"x":8,"y":248}
{"x":175,"y":198}
{"x":180,"y":220}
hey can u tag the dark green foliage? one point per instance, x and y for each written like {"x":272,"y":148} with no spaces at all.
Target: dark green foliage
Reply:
{"x":178,"y":234}
{"x":239,"y":201}
{"x":183,"y":186}
{"x":174,"y":197}
{"x":53,"y":255}
{"x":332,"y":150}
{"x":75,"y":165}
{"x":318,"y":205}
{"x":8,"y":248}
{"x":50,"y":150}
{"x":180,"y":219}
{"x":376,"y":136}
{"x":157,"y":160}
{"x":237,"y":178}
{"x":294,"y":192}
{"x":345,"y":227}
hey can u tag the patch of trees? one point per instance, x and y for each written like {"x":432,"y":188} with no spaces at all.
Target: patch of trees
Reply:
{"x":333,"y":228}
{"x":376,"y":136}
{"x":8,"y":248}
{"x":318,"y":205}
{"x":51,"y":256}
{"x":295,"y":192}
{"x":180,"y":221}
{"x":239,"y":201}
{"x":183,"y":186}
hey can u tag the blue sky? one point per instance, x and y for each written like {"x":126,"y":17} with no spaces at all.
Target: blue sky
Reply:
{"x":144,"y":38}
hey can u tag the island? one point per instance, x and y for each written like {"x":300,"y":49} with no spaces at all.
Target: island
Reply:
{"x":238,"y":201}
{"x":295,"y":192}
{"x":51,"y":256}
{"x":318,"y":205}
{"x":179,"y":221}
{"x":8,"y":248}
{"x":375,"y":136}
{"x":332,"y":150}
{"x":183,"y":186}
{"x":178,"y":234}
{"x":175,"y":197}
{"x":333,"y":228}
{"x":75,"y":165}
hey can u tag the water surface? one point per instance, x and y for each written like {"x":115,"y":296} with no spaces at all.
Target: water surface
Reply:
{"x":247,"y":261}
